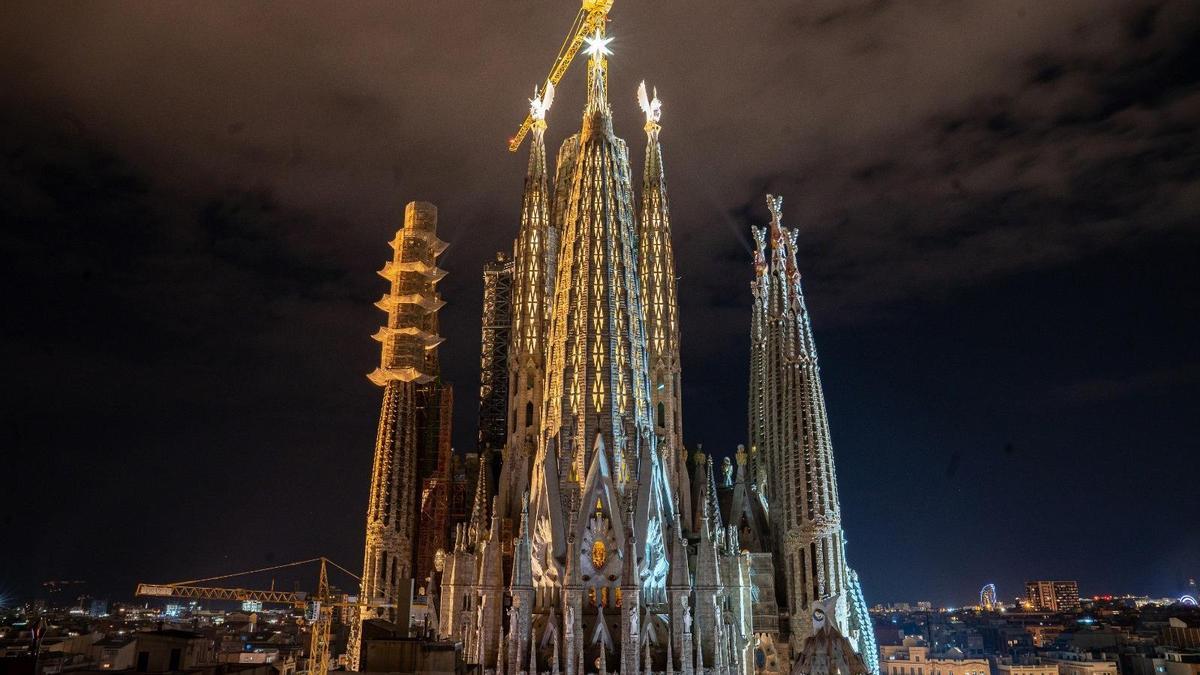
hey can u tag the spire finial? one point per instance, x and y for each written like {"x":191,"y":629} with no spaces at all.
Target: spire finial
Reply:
{"x":477,"y":526}
{"x":775,"y":204}
{"x":597,"y":49}
{"x":597,"y":45}
{"x":652,"y":107}
{"x":540,"y":103}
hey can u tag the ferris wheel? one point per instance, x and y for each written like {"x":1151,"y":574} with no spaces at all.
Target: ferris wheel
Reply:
{"x":988,"y":599}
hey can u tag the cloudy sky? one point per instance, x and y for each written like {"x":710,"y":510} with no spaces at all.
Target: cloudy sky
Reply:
{"x":999,"y":216}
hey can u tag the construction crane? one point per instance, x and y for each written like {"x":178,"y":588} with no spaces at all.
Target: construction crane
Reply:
{"x":590,"y":19}
{"x":318,"y":607}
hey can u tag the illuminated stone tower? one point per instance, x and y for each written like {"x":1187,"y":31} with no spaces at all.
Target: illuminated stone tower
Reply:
{"x":408,"y":362}
{"x":526,"y":355}
{"x":597,"y":449}
{"x":657,"y":276}
{"x":601,"y":507}
{"x":600,"y":578}
{"x":789,"y":429}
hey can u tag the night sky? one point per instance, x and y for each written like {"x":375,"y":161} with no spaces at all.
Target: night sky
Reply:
{"x":999,"y":216}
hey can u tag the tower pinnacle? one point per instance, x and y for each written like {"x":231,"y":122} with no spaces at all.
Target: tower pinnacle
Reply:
{"x":412,"y":394}
{"x":651,"y":107}
{"x":657,"y":277}
{"x":526,"y":356}
{"x":597,"y":49}
{"x":785,"y":395}
{"x":540,"y":103}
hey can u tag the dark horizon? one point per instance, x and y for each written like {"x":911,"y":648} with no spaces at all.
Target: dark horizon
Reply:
{"x":999,"y":219}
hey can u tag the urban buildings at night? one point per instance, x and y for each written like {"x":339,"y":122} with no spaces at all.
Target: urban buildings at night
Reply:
{"x":1052,"y":596}
{"x":1119,"y":636}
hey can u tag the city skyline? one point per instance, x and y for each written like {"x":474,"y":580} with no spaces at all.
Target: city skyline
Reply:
{"x":984,"y":430}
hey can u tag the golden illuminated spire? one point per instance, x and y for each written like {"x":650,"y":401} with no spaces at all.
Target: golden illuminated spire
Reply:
{"x":657,"y":276}
{"x":526,"y":355}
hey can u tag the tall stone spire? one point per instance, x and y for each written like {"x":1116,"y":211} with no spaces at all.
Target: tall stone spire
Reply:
{"x":596,"y":376}
{"x":477,"y":526}
{"x":790,"y":428}
{"x":657,"y":276}
{"x":408,"y":359}
{"x":526,"y":358}
{"x":522,"y":643}
{"x":491,"y":596}
{"x":708,"y":585}
{"x":594,"y":330}
{"x":598,"y":476}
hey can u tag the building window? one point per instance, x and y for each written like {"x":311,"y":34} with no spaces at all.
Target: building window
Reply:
{"x":528,"y":414}
{"x":662,"y":414}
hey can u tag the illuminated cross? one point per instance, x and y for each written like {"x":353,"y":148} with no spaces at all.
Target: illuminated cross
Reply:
{"x":597,"y":46}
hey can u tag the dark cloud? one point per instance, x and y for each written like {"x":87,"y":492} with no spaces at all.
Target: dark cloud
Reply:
{"x":1106,"y":389}
{"x":196,"y":197}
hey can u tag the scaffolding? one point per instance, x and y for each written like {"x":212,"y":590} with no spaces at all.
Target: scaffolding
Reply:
{"x":493,"y":373}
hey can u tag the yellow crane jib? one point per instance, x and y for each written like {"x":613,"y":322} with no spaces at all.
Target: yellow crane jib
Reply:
{"x":591,"y":18}
{"x":211,"y":593}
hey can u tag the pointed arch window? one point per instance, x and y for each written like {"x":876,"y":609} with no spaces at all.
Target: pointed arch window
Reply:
{"x":662,"y":414}
{"x":528,"y":414}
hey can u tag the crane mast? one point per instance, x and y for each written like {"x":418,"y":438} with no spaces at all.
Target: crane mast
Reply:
{"x":590,"y":19}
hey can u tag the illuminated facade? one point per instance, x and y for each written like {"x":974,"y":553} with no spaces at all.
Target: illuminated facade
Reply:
{"x":606,"y":546}
{"x":826,"y":651}
{"x":412,"y":443}
{"x":914,"y":657}
{"x":606,"y":573}
{"x":1053,"y":596}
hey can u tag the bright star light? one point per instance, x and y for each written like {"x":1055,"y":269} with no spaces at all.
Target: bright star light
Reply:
{"x":597,"y":44}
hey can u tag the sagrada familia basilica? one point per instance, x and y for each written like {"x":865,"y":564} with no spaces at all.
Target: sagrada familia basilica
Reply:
{"x":595,"y":542}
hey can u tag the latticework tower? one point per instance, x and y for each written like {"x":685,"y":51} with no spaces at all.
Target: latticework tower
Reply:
{"x":493,"y":354}
{"x":408,"y":364}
